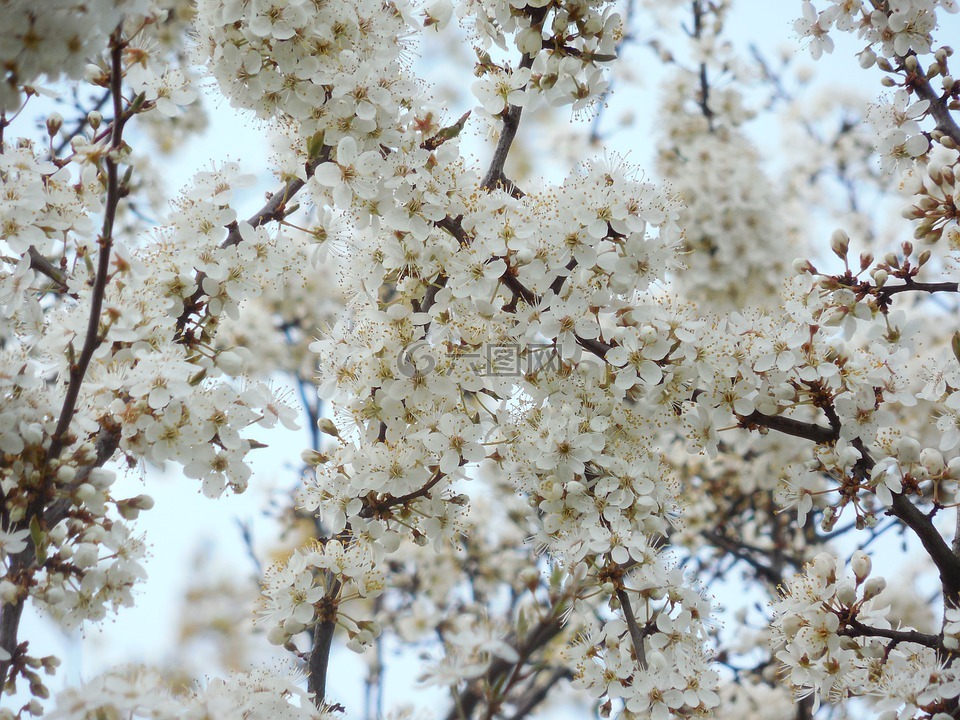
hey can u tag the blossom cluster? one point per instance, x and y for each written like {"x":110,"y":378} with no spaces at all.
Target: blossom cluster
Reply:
{"x":658,"y":303}
{"x":311,"y":585}
{"x":837,"y":641}
{"x":145,"y":694}
{"x":890,"y":29}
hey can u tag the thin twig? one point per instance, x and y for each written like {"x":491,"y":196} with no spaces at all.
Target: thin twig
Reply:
{"x":319,"y":661}
{"x":855,"y":628}
{"x":43,"y":266}
{"x":10,"y":613}
{"x":636,"y":634}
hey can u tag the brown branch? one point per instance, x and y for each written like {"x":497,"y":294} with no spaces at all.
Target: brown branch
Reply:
{"x":857,"y":629}
{"x":495,"y":176}
{"x":43,"y":266}
{"x":789,"y":426}
{"x":511,"y":122}
{"x":537,"y":694}
{"x":636,"y":634}
{"x":512,"y":282}
{"x":909,"y":285}
{"x":371,"y":509}
{"x":319,"y":661}
{"x":948,"y":564}
{"x":703,"y":101}
{"x":93,"y":340}
{"x":68,"y":137}
{"x":10,"y":613}
{"x":740,"y":552}
{"x":938,"y":106}
{"x":545,"y":631}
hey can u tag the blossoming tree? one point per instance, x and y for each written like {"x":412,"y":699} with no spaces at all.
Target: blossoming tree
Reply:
{"x":549,"y":415}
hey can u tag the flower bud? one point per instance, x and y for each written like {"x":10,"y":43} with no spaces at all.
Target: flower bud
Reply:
{"x":230,"y":362}
{"x":313,"y":458}
{"x":277,"y":635}
{"x":846,"y":593}
{"x":953,"y":467}
{"x":867,"y":58}
{"x":829,"y":520}
{"x":932,"y":460}
{"x":54,"y":123}
{"x":907,"y":450}
{"x":840,"y":243}
{"x":861,"y":565}
{"x":530,"y":578}
{"x":327,"y":427}
{"x":873,"y":587}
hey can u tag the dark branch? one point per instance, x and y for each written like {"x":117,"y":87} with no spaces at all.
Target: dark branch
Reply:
{"x":938,"y":106}
{"x":319,"y":661}
{"x":636,"y":634}
{"x":43,"y":266}
{"x":789,"y":426}
{"x":857,"y":629}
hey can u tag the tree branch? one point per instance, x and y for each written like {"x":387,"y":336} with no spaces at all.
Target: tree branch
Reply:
{"x":537,"y":694}
{"x":511,"y":122}
{"x":10,"y":613}
{"x":789,"y":426}
{"x":938,"y":107}
{"x":636,"y":634}
{"x":537,"y":638}
{"x":43,"y":266}
{"x":319,"y":660}
{"x":909,"y":285}
{"x":855,"y":628}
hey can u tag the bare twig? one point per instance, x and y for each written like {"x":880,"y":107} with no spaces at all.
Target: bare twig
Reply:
{"x":855,"y":628}
{"x":545,"y":631}
{"x":43,"y":266}
{"x":636,"y":634}
{"x":511,"y":122}
{"x":319,"y":661}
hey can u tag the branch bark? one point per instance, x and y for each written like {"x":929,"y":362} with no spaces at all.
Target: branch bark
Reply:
{"x":11,"y":613}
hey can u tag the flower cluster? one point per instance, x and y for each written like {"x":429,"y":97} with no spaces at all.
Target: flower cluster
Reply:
{"x":564,"y":46}
{"x":564,"y":361}
{"x":312,"y":584}
{"x":837,"y":641}
{"x":144,"y":694}
{"x":891,"y":29}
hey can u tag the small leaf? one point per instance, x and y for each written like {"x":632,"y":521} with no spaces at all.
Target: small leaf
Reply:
{"x":39,"y":538}
{"x":315,"y":145}
{"x":447,"y":133}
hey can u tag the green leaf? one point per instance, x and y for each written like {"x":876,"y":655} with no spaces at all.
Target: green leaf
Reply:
{"x":39,"y":538}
